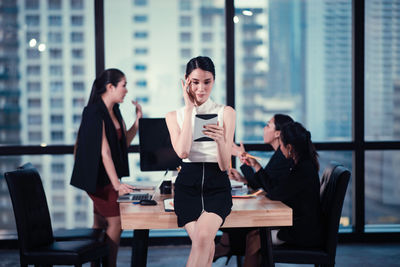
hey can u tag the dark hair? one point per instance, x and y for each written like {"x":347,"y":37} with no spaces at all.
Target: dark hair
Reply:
{"x":113,"y":76}
{"x":296,"y":135}
{"x":204,"y":63}
{"x":281,"y":120}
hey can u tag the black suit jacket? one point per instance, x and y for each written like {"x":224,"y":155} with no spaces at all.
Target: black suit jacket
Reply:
{"x":89,"y":172}
{"x":300,"y":191}
{"x":277,"y":167}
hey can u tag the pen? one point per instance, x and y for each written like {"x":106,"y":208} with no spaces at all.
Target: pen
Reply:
{"x":253,"y":157}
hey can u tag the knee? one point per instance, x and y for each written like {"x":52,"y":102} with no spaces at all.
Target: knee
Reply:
{"x":202,"y":239}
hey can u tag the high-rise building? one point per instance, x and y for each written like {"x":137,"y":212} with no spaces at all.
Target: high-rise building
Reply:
{"x":10,"y":110}
{"x":56,"y":56}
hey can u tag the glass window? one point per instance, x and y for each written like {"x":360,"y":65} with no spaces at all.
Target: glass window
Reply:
{"x":56,"y":70}
{"x":32,"y":54}
{"x":78,"y":86}
{"x":55,"y":37}
{"x":382,"y":185}
{"x":32,"y":20}
{"x":78,"y":102}
{"x":56,"y":119}
{"x":55,"y":53}
{"x":56,"y":103}
{"x":56,"y":86}
{"x":77,"y":20}
{"x":57,"y":136}
{"x":55,"y":21}
{"x":32,"y":35}
{"x":206,"y":37}
{"x":186,"y":21}
{"x":78,"y":70}
{"x":31,"y":4}
{"x":77,"y":53}
{"x":186,"y":53}
{"x":33,"y":70}
{"x":140,"y":67}
{"x":34,"y":103}
{"x":139,"y":45}
{"x":76,"y":4}
{"x":140,"y":18}
{"x":141,"y":35}
{"x":382,"y":75}
{"x":33,"y":86}
{"x":306,"y":73}
{"x":185,"y":37}
{"x":141,"y":51}
{"x":140,"y":2}
{"x":77,"y":37}
{"x":54,"y":4}
{"x":34,"y":119}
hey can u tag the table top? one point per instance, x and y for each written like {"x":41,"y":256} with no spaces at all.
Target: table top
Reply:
{"x":246,"y":212}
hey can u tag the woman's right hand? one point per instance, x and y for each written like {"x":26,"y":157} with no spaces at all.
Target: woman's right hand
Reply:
{"x":187,"y":93}
{"x":123,"y":188}
{"x":235,"y":175}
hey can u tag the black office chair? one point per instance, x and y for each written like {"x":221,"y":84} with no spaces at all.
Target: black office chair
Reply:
{"x":71,"y":234}
{"x":35,"y":235}
{"x":333,"y":190}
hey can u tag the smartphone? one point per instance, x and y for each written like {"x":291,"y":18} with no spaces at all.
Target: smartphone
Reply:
{"x":199,"y":121}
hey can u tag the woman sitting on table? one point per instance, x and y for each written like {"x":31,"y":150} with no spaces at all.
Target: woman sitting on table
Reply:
{"x":202,"y":197}
{"x":299,"y":190}
{"x":278,"y":166}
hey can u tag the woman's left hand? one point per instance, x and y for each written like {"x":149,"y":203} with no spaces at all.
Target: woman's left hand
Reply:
{"x":215,"y":132}
{"x":139,"y":112}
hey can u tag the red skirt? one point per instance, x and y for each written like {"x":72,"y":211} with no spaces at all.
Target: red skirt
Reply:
{"x":105,"y":201}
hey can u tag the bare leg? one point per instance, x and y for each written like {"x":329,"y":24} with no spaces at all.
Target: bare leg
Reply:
{"x":252,"y":255}
{"x":113,"y":237}
{"x":205,"y":229}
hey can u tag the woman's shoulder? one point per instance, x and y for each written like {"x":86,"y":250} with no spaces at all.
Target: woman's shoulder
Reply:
{"x":229,"y":111}
{"x":171,"y":114}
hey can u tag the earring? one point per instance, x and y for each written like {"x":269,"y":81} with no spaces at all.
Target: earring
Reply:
{"x":290,"y":153}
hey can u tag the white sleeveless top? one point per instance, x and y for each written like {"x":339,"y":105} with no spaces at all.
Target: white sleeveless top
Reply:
{"x":205,"y":151}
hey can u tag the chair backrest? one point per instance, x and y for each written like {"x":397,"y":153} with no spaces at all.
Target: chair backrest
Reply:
{"x":30,"y":208}
{"x":333,"y":190}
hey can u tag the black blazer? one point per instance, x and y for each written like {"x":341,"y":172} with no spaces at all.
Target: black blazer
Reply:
{"x":277,"y":167}
{"x":89,"y":172}
{"x":300,"y":191}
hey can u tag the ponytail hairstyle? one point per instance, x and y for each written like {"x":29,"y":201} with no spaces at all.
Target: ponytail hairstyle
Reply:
{"x":300,"y":139}
{"x":281,"y":120}
{"x":113,"y":76}
{"x":204,"y":63}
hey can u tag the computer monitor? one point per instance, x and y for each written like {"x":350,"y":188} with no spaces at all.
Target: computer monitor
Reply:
{"x":156,"y":152}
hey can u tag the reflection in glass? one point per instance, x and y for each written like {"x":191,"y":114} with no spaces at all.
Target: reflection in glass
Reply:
{"x":298,"y":64}
{"x":382,"y":186}
{"x":382,"y":70}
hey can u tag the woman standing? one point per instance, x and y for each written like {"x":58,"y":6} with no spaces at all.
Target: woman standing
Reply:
{"x":202,"y":189}
{"x":101,"y":156}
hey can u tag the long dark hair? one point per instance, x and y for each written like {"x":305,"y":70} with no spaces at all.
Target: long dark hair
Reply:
{"x":113,"y":76}
{"x":281,"y":120}
{"x":296,"y":135}
{"x":204,"y":63}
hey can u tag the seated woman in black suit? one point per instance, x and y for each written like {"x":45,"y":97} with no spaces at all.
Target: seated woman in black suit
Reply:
{"x":299,"y":190}
{"x":255,"y":177}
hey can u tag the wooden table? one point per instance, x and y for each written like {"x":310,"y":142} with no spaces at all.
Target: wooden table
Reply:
{"x":251,"y":212}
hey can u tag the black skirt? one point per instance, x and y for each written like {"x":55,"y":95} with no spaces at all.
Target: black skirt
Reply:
{"x":201,"y":186}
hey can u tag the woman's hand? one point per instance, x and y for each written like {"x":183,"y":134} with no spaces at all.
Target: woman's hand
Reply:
{"x":215,"y":132}
{"x":138,"y":110}
{"x":123,"y":188}
{"x":235,"y":175}
{"x":187,"y":93}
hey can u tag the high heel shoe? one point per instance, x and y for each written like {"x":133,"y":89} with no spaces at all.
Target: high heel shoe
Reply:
{"x":228,"y":254}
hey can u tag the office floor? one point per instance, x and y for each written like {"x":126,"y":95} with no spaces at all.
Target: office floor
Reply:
{"x":161,"y":256}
